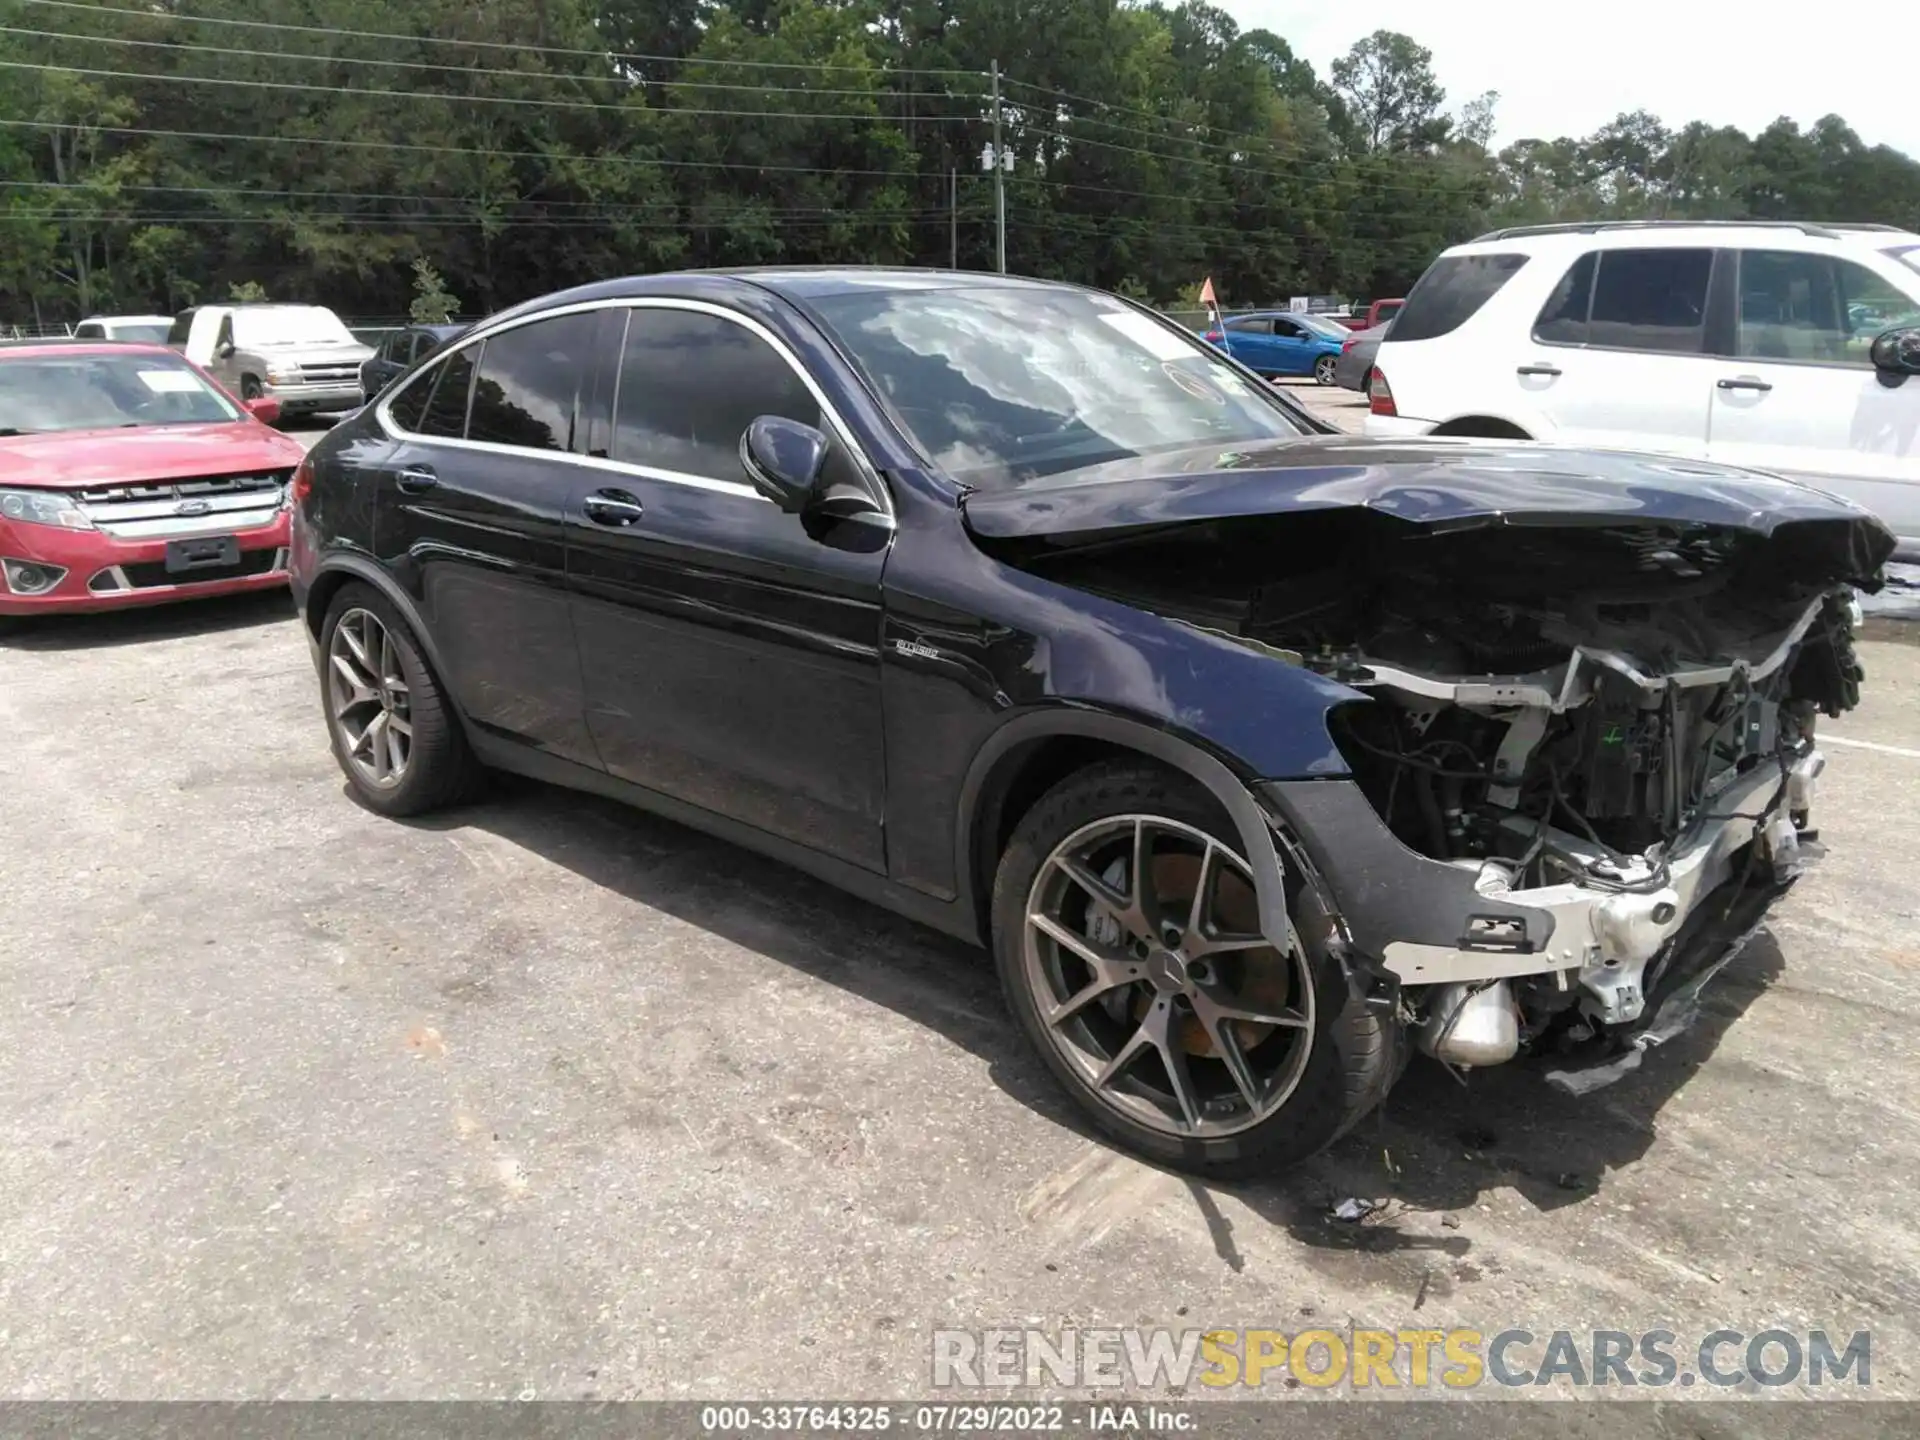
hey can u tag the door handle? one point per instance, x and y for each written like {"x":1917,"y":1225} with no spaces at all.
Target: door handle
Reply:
{"x":611,"y":507}
{"x":1744,"y":382}
{"x":1538,"y":370}
{"x":417,"y":479}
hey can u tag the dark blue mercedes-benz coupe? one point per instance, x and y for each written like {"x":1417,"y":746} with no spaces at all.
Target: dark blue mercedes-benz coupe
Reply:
{"x":1260,"y":755}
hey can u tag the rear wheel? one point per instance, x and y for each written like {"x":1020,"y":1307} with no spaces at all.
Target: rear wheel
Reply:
{"x":1323,"y":369}
{"x":393,"y":730}
{"x":1127,"y":936}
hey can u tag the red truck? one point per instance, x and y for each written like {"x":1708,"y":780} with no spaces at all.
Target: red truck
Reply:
{"x":1377,"y":312}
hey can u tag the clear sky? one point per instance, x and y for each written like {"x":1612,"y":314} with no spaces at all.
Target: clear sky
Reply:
{"x":1567,"y":69}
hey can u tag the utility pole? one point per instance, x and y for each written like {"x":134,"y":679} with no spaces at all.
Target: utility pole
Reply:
{"x":999,"y":183}
{"x":953,"y":217}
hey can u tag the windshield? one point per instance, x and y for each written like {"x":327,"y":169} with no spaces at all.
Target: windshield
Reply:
{"x":155,"y":334}
{"x":289,"y":325}
{"x":999,"y":386}
{"x":41,"y":394}
{"x":1908,"y":255}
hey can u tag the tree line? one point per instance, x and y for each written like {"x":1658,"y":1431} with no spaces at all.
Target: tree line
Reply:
{"x":323,"y":150}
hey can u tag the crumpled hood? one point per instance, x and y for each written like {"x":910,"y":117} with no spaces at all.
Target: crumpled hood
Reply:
{"x":78,"y":459}
{"x":1435,"y":483}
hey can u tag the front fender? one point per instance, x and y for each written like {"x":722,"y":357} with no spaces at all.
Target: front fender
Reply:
{"x":988,"y":773}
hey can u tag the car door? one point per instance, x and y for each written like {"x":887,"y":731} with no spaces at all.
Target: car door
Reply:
{"x":1799,"y":395}
{"x":732,"y":658}
{"x":1293,"y":347}
{"x":226,"y":365}
{"x":469,"y":516}
{"x":1617,"y":354}
{"x":1250,"y":341}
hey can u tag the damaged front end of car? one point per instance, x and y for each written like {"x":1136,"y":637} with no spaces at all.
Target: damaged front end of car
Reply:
{"x":1581,"y":738}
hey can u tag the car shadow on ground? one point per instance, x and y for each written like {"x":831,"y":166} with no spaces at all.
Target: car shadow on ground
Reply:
{"x":1439,"y":1145}
{"x":145,"y":624}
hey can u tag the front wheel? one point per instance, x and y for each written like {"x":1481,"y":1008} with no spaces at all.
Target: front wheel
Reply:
{"x":1323,"y":369}
{"x":1127,"y":934}
{"x":251,"y":388}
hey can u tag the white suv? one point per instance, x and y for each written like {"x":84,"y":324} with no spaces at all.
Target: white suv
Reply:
{"x":1749,"y":343}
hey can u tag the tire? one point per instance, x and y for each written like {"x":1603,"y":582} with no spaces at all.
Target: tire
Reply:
{"x":1323,"y":369}
{"x":1353,"y":1055}
{"x":439,"y":768}
{"x":251,"y":388}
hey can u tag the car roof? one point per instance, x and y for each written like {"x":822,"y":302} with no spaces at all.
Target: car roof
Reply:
{"x":1639,"y":234}
{"x":128,"y":320}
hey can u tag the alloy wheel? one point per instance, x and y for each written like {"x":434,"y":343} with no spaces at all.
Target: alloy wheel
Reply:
{"x":1323,"y":369}
{"x":1144,"y":957}
{"x":368,"y":699}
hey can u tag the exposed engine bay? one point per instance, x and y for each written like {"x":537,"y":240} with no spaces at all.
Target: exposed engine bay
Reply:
{"x":1605,"y":721}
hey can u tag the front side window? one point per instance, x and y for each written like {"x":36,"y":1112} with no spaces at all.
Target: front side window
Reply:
{"x":528,"y":382}
{"x":690,"y":385}
{"x":181,"y":328}
{"x":1286,"y":330}
{"x":44,"y":394}
{"x":1452,"y":292}
{"x":1651,"y":300}
{"x":1003,"y":384}
{"x":1809,"y":307}
{"x":445,"y":415}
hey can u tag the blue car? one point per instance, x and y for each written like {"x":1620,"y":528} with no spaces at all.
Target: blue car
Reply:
{"x":1282,"y":342}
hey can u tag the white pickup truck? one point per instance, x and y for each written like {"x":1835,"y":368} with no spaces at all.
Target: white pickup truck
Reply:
{"x":301,"y":355}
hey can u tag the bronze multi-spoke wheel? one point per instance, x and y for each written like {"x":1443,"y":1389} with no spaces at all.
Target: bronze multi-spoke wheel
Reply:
{"x":1143,"y":949}
{"x":1129,"y":938}
{"x":394,"y":732}
{"x":368,"y":697}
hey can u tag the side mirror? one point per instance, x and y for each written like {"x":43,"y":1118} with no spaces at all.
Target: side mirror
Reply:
{"x":265,"y":409}
{"x":1897,"y":352}
{"x":223,"y":352}
{"x":784,"y":458}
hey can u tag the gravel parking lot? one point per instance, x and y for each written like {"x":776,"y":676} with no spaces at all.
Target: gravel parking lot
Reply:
{"x":550,"y":1098}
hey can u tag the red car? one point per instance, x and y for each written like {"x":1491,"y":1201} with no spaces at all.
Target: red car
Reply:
{"x":129,"y":477}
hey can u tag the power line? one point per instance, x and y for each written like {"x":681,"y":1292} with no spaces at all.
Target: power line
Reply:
{"x":176,"y":48}
{"x":250,"y":190}
{"x":414,"y":147}
{"x":510,"y":46}
{"x":547,"y":104}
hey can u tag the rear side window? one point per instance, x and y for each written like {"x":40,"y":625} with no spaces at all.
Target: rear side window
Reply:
{"x":529,"y":381}
{"x":409,"y":406}
{"x":1651,"y":300}
{"x":1563,"y":319}
{"x":1452,"y":290}
{"x":446,"y":414}
{"x":91,"y":332}
{"x":1250,"y":327}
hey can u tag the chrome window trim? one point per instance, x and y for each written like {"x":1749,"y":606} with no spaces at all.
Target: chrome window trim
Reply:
{"x":837,"y":427}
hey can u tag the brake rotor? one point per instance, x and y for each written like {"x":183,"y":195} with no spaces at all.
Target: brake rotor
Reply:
{"x":1262,"y":974}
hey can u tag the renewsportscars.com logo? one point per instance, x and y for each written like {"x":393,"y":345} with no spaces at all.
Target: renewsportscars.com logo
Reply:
{"x":1393,"y":1359}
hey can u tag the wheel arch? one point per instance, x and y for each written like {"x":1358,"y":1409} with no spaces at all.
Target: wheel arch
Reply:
{"x":1028,"y":755}
{"x":1485,"y":427}
{"x":336,"y":572}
